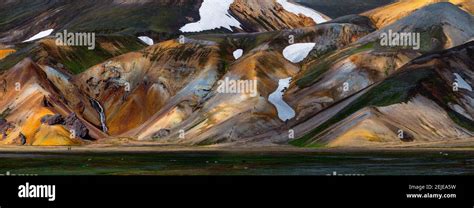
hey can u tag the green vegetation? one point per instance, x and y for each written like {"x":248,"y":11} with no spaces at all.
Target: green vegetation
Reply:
{"x":436,"y":84}
{"x":427,"y":39}
{"x":317,"y":145}
{"x":81,"y":58}
{"x":12,"y":13}
{"x":102,"y":17}
{"x":235,"y":163}
{"x":326,"y":61}
{"x":78,"y":59}
{"x":212,"y":141}
{"x":128,"y":20}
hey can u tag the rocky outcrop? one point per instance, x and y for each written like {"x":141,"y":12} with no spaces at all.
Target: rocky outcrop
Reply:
{"x":266,"y":15}
{"x":3,"y":122}
{"x":72,"y":122}
{"x":52,"y":119}
{"x":162,"y":133}
{"x":22,"y":139}
{"x":5,"y":128}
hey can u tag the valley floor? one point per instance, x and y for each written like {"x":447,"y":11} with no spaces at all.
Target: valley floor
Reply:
{"x":167,"y":160}
{"x":152,"y":147}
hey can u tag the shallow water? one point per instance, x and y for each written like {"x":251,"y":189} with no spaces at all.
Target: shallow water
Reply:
{"x":220,"y":163}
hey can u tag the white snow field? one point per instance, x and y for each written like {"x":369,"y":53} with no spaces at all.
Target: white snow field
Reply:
{"x":238,"y":53}
{"x":462,"y":83}
{"x":297,"y":9}
{"x":214,"y":15}
{"x":285,"y":112}
{"x":146,"y":40}
{"x":40,"y":35}
{"x":298,"y":52}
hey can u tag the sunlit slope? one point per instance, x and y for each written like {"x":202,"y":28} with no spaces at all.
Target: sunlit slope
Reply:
{"x":419,"y":100}
{"x":386,"y":15}
{"x":321,"y":82}
{"x":28,"y":96}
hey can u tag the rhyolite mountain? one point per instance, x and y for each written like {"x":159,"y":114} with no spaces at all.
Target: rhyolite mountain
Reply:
{"x":346,"y":89}
{"x":417,"y":103}
{"x":340,"y":8}
{"x":159,"y":19}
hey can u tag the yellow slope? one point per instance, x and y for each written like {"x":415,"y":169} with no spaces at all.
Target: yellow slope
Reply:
{"x":386,"y":15}
{"x":5,"y":52}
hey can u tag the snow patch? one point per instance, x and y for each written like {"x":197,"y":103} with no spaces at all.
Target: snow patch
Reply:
{"x":40,"y":35}
{"x":461,"y":111}
{"x":238,"y":53}
{"x":214,"y":14}
{"x":297,"y":9}
{"x":298,"y":52}
{"x":462,"y":83}
{"x":146,"y":40}
{"x":285,"y":112}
